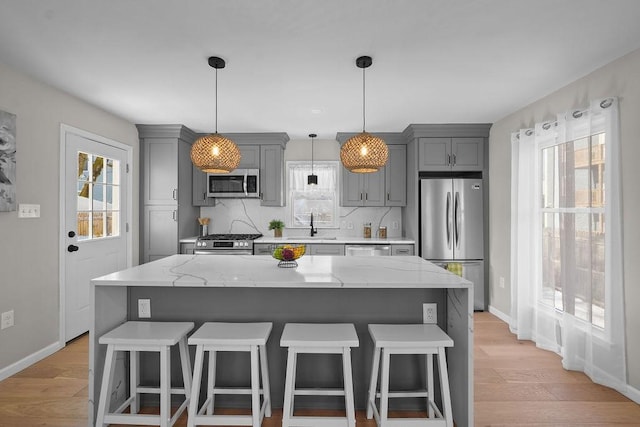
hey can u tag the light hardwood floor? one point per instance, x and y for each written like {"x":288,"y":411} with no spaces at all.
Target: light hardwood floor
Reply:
{"x":516,"y":384}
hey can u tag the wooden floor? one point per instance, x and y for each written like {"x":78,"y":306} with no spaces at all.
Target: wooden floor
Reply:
{"x":516,"y":384}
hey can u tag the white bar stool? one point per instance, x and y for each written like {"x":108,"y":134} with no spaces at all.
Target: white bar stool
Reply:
{"x":424,"y":339}
{"x":135,"y":337}
{"x":214,"y":337}
{"x":322,"y":338}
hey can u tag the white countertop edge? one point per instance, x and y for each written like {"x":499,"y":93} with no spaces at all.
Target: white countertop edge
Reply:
{"x":337,"y":240}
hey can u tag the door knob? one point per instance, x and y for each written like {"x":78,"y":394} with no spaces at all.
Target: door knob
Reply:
{"x":72,"y":248}
{"x":72,"y":234}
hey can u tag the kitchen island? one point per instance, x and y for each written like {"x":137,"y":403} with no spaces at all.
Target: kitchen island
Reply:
{"x":360,"y":290}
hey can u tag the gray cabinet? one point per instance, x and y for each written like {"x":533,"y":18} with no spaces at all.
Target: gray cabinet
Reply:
{"x":362,"y":189}
{"x":387,"y":187}
{"x":187,"y":247}
{"x":167,"y":212}
{"x":271,"y":175}
{"x":250,"y":159}
{"x":395,"y":176}
{"x":451,"y":154}
{"x":264,"y":151}
{"x":263,"y":248}
{"x":325,"y":249}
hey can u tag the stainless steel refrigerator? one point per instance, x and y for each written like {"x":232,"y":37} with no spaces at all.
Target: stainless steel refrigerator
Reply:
{"x":451,"y":227}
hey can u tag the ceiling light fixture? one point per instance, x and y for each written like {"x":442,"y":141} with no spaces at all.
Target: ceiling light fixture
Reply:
{"x":364,"y":153}
{"x":313,"y":178}
{"x":214,"y":153}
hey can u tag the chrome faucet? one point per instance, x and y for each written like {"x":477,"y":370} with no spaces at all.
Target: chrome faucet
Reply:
{"x":313,"y":230}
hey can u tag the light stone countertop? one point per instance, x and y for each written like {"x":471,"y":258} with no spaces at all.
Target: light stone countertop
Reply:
{"x":262,"y":271}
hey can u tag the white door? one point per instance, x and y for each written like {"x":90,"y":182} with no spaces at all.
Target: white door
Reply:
{"x":94,"y":234}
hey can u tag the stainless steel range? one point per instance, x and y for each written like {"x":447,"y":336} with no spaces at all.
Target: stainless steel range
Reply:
{"x":225,"y":244}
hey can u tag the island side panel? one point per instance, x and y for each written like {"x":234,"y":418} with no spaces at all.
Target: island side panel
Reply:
{"x":460,"y":356}
{"x":282,"y":305}
{"x":109,"y":305}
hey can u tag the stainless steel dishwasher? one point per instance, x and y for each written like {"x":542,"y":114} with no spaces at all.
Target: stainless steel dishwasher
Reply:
{"x":367,"y":250}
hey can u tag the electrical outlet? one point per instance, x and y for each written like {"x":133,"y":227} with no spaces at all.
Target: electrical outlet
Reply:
{"x":430,"y":312}
{"x":7,"y":319}
{"x":394,"y":225}
{"x":502,"y":282}
{"x":28,"y":211}
{"x":349,"y":225}
{"x":144,"y":308}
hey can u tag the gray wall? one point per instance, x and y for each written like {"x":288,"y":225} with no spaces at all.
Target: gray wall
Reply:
{"x":29,"y":256}
{"x":620,"y":78}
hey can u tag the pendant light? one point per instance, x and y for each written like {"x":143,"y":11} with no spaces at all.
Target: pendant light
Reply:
{"x":214,"y":153}
{"x":313,"y":178}
{"x":364,"y":153}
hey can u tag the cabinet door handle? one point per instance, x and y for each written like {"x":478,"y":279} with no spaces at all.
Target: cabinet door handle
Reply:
{"x":175,"y":194}
{"x":360,"y":196}
{"x":388,"y":196}
{"x":366,"y":196}
{"x":402,"y":251}
{"x":204,"y":196}
{"x":449,"y":159}
{"x":454,"y":159}
{"x":174,"y":214}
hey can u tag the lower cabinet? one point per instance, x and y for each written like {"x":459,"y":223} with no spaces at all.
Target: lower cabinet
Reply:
{"x":187,"y":248}
{"x":160,"y":232}
{"x":337,"y":249}
{"x":325,"y":249}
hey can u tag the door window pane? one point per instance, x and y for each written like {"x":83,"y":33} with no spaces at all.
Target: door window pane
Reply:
{"x":98,"y":201}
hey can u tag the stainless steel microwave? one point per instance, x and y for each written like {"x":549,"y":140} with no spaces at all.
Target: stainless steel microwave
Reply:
{"x":237,"y":183}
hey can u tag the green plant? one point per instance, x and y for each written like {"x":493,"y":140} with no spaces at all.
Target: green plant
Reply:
{"x":276,"y":224}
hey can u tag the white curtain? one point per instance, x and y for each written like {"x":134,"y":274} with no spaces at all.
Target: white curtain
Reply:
{"x":593,"y":342}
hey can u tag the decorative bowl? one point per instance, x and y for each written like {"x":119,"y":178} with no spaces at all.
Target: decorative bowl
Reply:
{"x":288,"y":254}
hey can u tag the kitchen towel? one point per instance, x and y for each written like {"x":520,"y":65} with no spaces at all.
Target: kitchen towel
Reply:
{"x":455,"y":268}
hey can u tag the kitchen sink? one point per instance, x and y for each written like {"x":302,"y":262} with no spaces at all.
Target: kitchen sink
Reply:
{"x":311,"y":238}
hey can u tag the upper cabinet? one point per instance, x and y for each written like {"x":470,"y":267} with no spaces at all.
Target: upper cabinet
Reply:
{"x":387,"y":187}
{"x":264,"y":151}
{"x":451,"y":154}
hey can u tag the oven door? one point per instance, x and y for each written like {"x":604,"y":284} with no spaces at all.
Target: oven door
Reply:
{"x":223,"y":252}
{"x":239,"y":183}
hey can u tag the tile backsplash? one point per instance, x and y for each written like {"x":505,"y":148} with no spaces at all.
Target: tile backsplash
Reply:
{"x":247,"y":216}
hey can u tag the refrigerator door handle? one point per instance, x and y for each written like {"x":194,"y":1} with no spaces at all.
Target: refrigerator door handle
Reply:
{"x":448,"y":219}
{"x":456,"y":218}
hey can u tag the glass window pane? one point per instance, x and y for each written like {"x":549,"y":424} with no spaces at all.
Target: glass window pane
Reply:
{"x":82,"y":227}
{"x":597,"y":269}
{"x":579,"y":268}
{"x":597,"y":170}
{"x":98,"y":224}
{"x":113,"y":198}
{"x":97,"y":171}
{"x":113,"y":223}
{"x":98,"y":197}
{"x":83,"y":166}
{"x":109,"y":171}
{"x":549,"y":177}
{"x":551,"y":263}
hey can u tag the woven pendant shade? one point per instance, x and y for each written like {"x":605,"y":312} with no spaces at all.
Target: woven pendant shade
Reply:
{"x":214,"y":153}
{"x":364,"y":153}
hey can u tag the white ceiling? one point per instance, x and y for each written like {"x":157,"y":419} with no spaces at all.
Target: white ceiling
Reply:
{"x":291,"y":63}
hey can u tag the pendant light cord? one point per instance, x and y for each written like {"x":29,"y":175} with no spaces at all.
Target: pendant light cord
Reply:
{"x":311,"y":155}
{"x":216,"y":116}
{"x":363,"y":100}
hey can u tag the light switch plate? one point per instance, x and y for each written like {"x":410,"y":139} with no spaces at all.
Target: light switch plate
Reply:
{"x":28,"y":211}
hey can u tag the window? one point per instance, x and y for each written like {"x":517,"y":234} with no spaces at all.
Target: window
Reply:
{"x":304,"y":199}
{"x":573,"y":232}
{"x":98,"y":209}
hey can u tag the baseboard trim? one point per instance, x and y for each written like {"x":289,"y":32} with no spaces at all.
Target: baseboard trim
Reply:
{"x":633,"y":394}
{"x":21,"y":364}
{"x":500,"y":315}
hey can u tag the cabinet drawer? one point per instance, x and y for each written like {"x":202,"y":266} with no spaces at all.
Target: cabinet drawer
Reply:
{"x":402,"y":250}
{"x":325,"y":249}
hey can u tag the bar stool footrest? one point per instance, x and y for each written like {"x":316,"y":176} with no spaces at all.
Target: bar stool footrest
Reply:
{"x":318,"y":392}
{"x":299,"y":421}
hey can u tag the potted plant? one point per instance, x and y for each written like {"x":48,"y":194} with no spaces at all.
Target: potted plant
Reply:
{"x":276,"y":225}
